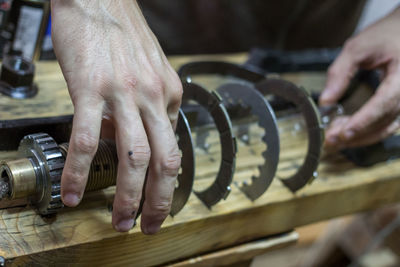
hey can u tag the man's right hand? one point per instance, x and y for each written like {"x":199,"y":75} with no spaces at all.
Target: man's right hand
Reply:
{"x":116,"y":70}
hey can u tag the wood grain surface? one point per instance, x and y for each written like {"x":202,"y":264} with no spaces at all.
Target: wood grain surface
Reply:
{"x":84,"y":235}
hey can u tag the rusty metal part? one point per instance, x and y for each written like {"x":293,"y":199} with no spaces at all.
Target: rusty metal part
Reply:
{"x":213,"y":103}
{"x":298,"y":96}
{"x":217,"y":67}
{"x":16,"y":78}
{"x":237,"y":94}
{"x":36,"y":175}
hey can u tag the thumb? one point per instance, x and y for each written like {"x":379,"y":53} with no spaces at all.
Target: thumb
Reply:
{"x":339,"y":76}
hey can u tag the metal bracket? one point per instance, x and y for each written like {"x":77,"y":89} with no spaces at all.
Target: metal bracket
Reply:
{"x":298,"y":96}
{"x":241,"y":94}
{"x":212,"y":103}
{"x":186,"y":177}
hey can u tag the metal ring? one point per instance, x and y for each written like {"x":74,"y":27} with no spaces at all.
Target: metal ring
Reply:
{"x":218,"y":67}
{"x":211,"y":101}
{"x":242,"y":94}
{"x":298,"y":96}
{"x":186,"y":177}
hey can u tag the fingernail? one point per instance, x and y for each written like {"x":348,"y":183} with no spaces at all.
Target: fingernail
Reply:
{"x":125,"y":225}
{"x":325,"y":95}
{"x":151,"y":228}
{"x":71,"y":200}
{"x":348,"y":134}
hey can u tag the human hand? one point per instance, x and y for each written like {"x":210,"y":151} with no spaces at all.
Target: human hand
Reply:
{"x":116,"y":70}
{"x":378,"y":46}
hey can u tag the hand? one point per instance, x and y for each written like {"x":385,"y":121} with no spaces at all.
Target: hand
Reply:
{"x":115,"y":69}
{"x":378,"y":46}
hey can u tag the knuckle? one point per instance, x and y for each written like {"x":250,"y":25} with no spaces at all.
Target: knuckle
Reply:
{"x":176,"y":92}
{"x":350,"y":45}
{"x":154,"y":87}
{"x":332,"y":71}
{"x":85,"y":143}
{"x":161,"y":209}
{"x":129,"y":83}
{"x":170,"y":166}
{"x":128,"y":203}
{"x":73,"y":178}
{"x":140,"y":157}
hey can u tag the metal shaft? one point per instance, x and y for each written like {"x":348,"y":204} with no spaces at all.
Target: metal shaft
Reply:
{"x":103,"y":170}
{"x":20,"y":178}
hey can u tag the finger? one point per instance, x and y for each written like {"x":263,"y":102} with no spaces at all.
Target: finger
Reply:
{"x":375,"y":136}
{"x":134,"y":156}
{"x":333,"y":132}
{"x":82,"y":148}
{"x":164,"y":167}
{"x":339,"y":76}
{"x":378,"y":112}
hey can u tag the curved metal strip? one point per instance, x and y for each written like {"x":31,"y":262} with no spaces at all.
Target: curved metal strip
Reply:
{"x":241,"y":94}
{"x":218,"y":67}
{"x":212,"y":103}
{"x":298,"y":96}
{"x":186,"y":177}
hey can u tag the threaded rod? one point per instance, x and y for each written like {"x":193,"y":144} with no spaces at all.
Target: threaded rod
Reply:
{"x":103,"y":170}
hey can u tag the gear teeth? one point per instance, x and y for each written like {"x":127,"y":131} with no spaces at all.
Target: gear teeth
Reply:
{"x":54,"y":161}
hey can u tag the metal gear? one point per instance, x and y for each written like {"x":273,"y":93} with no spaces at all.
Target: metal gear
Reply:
{"x":315,"y":131}
{"x":49,"y":161}
{"x":249,"y":98}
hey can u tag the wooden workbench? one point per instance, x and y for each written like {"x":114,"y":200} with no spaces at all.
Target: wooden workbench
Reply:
{"x":236,"y":227}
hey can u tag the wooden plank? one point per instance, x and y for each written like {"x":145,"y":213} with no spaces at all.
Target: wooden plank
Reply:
{"x":84,"y":235}
{"x":241,"y":252}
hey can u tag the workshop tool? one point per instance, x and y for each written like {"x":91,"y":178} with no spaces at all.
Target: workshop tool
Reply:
{"x":245,"y":97}
{"x":16,"y":79}
{"x":212,"y":102}
{"x":36,"y":174}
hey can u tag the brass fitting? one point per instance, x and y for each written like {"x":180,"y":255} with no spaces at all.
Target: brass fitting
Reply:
{"x":36,"y":176}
